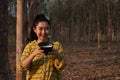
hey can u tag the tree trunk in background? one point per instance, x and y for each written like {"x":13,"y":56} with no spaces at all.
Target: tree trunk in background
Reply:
{"x":86,"y":10}
{"x":117,"y":25}
{"x":89,"y":29}
{"x":98,"y":25}
{"x":4,"y":65}
{"x":25,"y":21}
{"x":109,"y":26}
{"x":19,"y":37}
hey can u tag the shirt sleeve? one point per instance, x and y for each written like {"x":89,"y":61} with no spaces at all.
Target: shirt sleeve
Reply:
{"x":62,"y":64}
{"x":25,"y":54}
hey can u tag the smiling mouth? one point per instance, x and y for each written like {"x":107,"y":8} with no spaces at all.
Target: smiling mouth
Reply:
{"x":44,"y":36}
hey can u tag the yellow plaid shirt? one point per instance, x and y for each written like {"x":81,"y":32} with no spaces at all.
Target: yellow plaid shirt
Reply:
{"x":43,"y":67}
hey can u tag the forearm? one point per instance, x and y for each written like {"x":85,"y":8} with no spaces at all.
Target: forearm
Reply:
{"x":25,"y":63}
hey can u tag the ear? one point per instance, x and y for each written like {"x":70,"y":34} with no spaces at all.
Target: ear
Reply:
{"x":34,"y":29}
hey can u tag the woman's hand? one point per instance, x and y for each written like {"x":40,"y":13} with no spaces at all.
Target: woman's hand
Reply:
{"x":38,"y":52}
{"x":57,"y":56}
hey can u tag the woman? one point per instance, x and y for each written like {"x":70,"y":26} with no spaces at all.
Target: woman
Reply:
{"x":38,"y":65}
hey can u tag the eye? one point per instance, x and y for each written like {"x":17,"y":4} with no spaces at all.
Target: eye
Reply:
{"x":39,"y":28}
{"x":46,"y":28}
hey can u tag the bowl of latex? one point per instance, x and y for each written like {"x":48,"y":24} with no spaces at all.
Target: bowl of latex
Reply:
{"x":46,"y":47}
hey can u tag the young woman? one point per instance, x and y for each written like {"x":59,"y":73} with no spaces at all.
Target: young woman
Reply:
{"x":33,"y":59}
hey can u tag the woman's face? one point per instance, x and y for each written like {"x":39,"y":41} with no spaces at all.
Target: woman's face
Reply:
{"x":42,"y":31}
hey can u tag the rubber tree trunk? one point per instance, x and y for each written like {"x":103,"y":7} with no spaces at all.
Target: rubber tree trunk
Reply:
{"x":19,"y":37}
{"x":98,"y":26}
{"x":109,"y":26}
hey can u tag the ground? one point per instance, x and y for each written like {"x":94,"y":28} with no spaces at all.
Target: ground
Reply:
{"x":92,"y":64}
{"x":87,"y":63}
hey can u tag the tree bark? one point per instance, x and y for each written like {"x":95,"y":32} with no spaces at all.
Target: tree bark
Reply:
{"x":19,"y":37}
{"x":109,"y":27}
{"x":98,"y":25}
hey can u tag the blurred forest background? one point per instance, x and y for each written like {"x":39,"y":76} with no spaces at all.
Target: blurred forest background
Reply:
{"x":88,"y":29}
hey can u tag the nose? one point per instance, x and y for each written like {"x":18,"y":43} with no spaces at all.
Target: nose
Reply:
{"x":43,"y":31}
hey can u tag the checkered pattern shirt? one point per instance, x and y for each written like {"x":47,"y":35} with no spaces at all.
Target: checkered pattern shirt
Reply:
{"x":43,"y":67}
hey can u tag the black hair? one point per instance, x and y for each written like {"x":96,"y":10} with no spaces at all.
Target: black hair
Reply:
{"x":38,"y":18}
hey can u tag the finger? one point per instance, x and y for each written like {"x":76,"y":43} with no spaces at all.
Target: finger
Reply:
{"x":40,"y":53}
{"x":39,"y":48}
{"x":49,"y":52}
